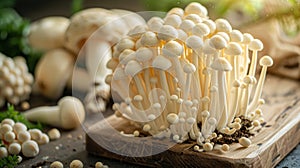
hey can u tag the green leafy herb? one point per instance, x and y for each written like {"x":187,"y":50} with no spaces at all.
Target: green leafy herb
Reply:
{"x":17,"y":117}
{"x":10,"y":161}
{"x":13,"y":37}
{"x":76,"y":6}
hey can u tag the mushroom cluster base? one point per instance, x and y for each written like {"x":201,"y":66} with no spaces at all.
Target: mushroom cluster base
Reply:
{"x":274,"y":141}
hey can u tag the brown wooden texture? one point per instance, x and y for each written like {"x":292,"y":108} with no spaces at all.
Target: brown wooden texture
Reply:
{"x":275,"y":140}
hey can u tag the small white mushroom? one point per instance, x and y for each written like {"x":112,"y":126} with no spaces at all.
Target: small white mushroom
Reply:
{"x":196,"y":8}
{"x":68,"y":114}
{"x":255,"y":46}
{"x":265,"y":62}
{"x":167,"y":33}
{"x":53,"y":134}
{"x":9,"y":136}
{"x":23,"y":136}
{"x":223,"y":25}
{"x":8,"y":121}
{"x":48,"y":33}
{"x":76,"y":164}
{"x":245,"y":142}
{"x":155,"y":23}
{"x":173,"y":20}
{"x":44,"y":139}
{"x":3,"y":152}
{"x":5,"y":128}
{"x":208,"y":147}
{"x":222,"y":66}
{"x":19,"y":127}
{"x":187,"y":26}
{"x":149,"y":39}
{"x":35,"y":134}
{"x":56,"y":164}
{"x":30,"y":148}
{"x":14,"y":148}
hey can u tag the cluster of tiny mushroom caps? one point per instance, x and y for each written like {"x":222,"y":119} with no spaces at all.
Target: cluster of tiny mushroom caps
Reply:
{"x":188,"y":77}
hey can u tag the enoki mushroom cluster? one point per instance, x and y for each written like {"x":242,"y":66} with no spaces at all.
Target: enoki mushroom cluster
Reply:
{"x":188,"y":77}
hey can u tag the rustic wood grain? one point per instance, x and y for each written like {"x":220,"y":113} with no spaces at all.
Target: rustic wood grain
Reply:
{"x":279,"y":136}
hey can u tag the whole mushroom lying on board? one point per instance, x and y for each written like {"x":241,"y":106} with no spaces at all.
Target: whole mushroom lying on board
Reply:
{"x":188,"y":77}
{"x":15,"y":80}
{"x":66,"y":38}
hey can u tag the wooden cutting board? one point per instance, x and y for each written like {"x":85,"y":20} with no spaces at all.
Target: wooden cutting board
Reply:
{"x":275,"y":140}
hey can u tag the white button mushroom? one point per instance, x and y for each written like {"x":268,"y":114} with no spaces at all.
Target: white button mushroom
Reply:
{"x":48,"y":33}
{"x":76,"y":164}
{"x":30,"y":148}
{"x":68,"y":114}
{"x":23,"y":136}
{"x":54,"y":134}
{"x":14,"y":148}
{"x":56,"y":164}
{"x":3,"y":152}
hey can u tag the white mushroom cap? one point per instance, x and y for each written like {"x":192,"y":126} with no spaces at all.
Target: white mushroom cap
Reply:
{"x":211,"y":24}
{"x":233,"y":49}
{"x":167,"y":33}
{"x":14,"y":148}
{"x":182,"y":35}
{"x":155,"y":23}
{"x":201,"y":29}
{"x":187,"y":26}
{"x":83,"y":24}
{"x":23,"y":136}
{"x":30,"y":148}
{"x":76,"y":164}
{"x":173,"y":20}
{"x":247,"y":38}
{"x":194,"y":42}
{"x":189,"y":68}
{"x":196,"y":8}
{"x":224,"y":35}
{"x":48,"y":33}
{"x":172,"y":49}
{"x":221,"y":64}
{"x":223,"y":25}
{"x":18,"y":127}
{"x":133,"y":67}
{"x":217,"y":42}
{"x":172,"y":118}
{"x":144,"y":54}
{"x":8,"y":121}
{"x":125,"y":43}
{"x":126,"y":56}
{"x":176,"y":11}
{"x":119,"y":74}
{"x":161,"y":62}
{"x":137,"y":31}
{"x":193,"y":17}
{"x":256,"y":45}
{"x":3,"y":152}
{"x":266,"y":61}
{"x":236,"y":36}
{"x":149,"y":39}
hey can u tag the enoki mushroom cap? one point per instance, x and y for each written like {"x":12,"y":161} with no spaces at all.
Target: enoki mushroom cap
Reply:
{"x":247,"y":38}
{"x":266,"y":61}
{"x":196,"y":8}
{"x":236,"y":36}
{"x":221,"y":64}
{"x":187,"y":26}
{"x":144,"y":54}
{"x":161,"y":62}
{"x":149,"y":39}
{"x":133,"y":67}
{"x":201,"y":29}
{"x":172,"y":49}
{"x":194,"y":42}
{"x":172,"y":118}
{"x":256,"y":45}
{"x":167,"y":32}
{"x":217,"y":42}
{"x":233,"y":49}
{"x":189,"y":68}
{"x":223,"y":25}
